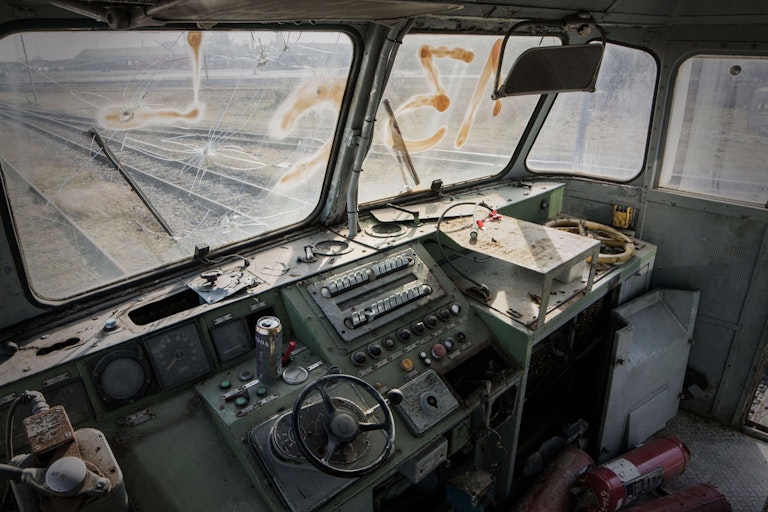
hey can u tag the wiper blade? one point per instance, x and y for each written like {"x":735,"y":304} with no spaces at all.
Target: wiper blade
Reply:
{"x":401,"y":152}
{"x":135,"y":186}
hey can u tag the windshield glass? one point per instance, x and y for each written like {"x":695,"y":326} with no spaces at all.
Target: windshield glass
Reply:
{"x":439,"y":96}
{"x":121,"y":152}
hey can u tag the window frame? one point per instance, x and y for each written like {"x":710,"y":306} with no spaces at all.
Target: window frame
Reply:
{"x":643,"y":167}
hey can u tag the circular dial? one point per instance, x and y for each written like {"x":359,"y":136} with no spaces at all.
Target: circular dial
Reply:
{"x":177,"y":355}
{"x":121,"y":377}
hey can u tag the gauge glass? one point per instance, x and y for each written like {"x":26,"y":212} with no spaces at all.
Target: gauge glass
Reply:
{"x":121,"y":377}
{"x":177,"y":355}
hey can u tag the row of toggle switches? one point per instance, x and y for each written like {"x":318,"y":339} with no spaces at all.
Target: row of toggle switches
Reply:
{"x":361,"y":276}
{"x":386,"y":305}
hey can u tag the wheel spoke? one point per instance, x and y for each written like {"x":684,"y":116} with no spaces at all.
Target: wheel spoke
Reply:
{"x":366,"y":427}
{"x":326,"y":399}
{"x":333,"y":443}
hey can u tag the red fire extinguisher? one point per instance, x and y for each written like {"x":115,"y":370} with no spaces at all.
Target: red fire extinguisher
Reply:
{"x":610,"y":486}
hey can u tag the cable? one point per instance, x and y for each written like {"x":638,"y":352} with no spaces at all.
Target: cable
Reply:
{"x":39,"y":404}
{"x":213,"y":261}
{"x":483,"y":288}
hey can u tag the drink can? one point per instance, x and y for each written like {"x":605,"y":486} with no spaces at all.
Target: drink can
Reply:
{"x":269,"y":348}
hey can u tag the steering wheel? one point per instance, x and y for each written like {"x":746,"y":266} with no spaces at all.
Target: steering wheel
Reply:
{"x":342,"y":426}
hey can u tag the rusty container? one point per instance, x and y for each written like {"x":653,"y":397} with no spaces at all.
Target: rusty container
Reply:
{"x":551,"y":492}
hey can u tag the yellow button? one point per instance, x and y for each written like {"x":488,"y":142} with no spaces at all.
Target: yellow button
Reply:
{"x":406,"y":364}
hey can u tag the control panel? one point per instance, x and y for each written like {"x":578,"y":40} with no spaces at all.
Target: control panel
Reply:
{"x":389,"y":317}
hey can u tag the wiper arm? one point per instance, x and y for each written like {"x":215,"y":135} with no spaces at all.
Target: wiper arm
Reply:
{"x":401,"y":152}
{"x":135,"y":186}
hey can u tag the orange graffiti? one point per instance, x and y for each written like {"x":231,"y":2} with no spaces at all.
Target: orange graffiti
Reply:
{"x":314,"y":95}
{"x":438,"y":100}
{"x":489,"y":69}
{"x":117,"y":117}
{"x":307,"y":167}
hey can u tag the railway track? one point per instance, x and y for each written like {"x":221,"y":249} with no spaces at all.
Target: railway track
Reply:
{"x":176,"y":170}
{"x":196,"y":186}
{"x":189,"y":204}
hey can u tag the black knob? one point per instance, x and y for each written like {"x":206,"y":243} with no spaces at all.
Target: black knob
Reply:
{"x":374,"y":350}
{"x":389,"y":343}
{"x":419,"y":327}
{"x":455,"y":309}
{"x":443,"y":314}
{"x":395,"y":396}
{"x":461,"y":337}
{"x":449,"y":344}
{"x":404,"y":335}
{"x":431,"y":321}
{"x":359,"y":358}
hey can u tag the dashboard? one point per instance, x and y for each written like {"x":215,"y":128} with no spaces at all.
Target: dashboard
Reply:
{"x":391,"y":371}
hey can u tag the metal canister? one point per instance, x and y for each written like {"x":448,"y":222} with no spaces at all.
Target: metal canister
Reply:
{"x":269,"y":348}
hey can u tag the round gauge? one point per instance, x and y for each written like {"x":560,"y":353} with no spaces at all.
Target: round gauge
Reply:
{"x":295,"y":374}
{"x":177,"y":355}
{"x":121,"y":377}
{"x":283,"y":440}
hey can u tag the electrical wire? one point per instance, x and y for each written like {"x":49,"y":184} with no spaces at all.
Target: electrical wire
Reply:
{"x":438,"y":233}
{"x":222,"y":259}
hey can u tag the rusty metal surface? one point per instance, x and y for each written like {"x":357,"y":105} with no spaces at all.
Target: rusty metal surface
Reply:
{"x":48,"y":429}
{"x":552,"y":490}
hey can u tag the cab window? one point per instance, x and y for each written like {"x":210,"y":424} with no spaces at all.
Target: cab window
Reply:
{"x":601,"y":134}
{"x":122,"y":152}
{"x":717,"y":141}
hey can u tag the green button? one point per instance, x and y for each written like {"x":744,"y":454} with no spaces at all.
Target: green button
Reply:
{"x":241,"y":401}
{"x":261,"y":391}
{"x":225,"y":384}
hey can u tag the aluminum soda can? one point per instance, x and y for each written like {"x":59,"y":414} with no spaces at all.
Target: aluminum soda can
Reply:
{"x":269,"y":348}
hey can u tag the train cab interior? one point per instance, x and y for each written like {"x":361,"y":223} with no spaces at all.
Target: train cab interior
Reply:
{"x":373,"y":255}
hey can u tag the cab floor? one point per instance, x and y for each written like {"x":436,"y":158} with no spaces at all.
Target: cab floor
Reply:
{"x":733,"y":462}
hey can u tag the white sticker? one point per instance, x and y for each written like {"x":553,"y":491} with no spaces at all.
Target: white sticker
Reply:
{"x":624,"y":469}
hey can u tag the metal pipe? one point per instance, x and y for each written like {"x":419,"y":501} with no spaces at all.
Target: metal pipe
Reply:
{"x":381,"y":76}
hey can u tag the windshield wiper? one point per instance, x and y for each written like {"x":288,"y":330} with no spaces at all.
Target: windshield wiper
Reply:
{"x":135,"y":186}
{"x":401,"y":152}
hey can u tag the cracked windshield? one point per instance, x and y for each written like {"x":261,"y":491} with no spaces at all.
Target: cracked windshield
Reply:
{"x":123,"y":151}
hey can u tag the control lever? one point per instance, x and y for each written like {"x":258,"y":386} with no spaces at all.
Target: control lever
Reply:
{"x":287,"y":354}
{"x":415,"y":222}
{"x":240,"y":390}
{"x":394,"y":397}
{"x":65,"y":477}
{"x":309,"y":255}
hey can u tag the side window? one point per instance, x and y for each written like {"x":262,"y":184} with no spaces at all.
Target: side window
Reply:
{"x":601,"y":134}
{"x":717,"y":141}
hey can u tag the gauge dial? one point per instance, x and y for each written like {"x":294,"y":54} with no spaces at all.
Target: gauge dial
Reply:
{"x":121,"y":377}
{"x":177,"y":355}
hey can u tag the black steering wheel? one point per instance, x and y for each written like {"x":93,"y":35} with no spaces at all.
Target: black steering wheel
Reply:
{"x":342,"y":426}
